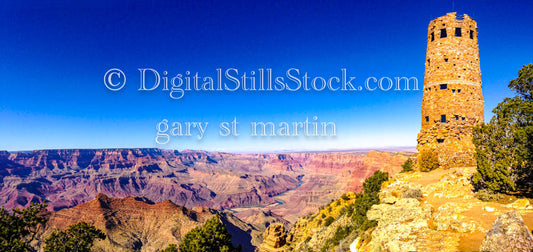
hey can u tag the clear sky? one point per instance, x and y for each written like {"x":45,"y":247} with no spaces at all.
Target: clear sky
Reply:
{"x":54,"y":54}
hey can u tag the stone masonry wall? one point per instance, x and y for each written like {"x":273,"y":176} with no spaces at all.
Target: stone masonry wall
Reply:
{"x":452,"y":100}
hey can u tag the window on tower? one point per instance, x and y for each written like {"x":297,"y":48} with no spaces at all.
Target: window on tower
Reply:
{"x":427,"y":118}
{"x":443,"y":118}
{"x":432,"y":36}
{"x":471,"y":34}
{"x":440,"y":140}
{"x":443,"y":86}
{"x":445,"y":59}
{"x":443,"y":33}
{"x":458,"y":32}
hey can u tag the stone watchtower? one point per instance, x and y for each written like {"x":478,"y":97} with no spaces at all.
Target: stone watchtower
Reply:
{"x":452,"y":101}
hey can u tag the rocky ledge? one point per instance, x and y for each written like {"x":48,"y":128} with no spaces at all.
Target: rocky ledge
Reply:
{"x":437,"y":211}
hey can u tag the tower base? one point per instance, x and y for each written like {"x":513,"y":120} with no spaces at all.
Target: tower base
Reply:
{"x":452,"y":143}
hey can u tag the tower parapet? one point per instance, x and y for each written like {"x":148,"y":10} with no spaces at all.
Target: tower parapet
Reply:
{"x":452,"y":101}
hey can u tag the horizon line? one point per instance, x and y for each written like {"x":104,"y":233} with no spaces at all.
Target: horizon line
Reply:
{"x":406,"y":148}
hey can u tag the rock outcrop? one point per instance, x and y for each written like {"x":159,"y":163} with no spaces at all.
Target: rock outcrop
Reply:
{"x":438,"y":211}
{"x":508,"y":233}
{"x":399,"y":224}
{"x":274,"y":238}
{"x":137,"y":224}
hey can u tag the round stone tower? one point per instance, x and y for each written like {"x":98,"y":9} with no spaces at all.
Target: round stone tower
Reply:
{"x":452,"y":101}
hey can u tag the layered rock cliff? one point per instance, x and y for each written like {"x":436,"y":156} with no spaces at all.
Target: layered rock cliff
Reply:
{"x":137,"y":224}
{"x":65,"y":178}
{"x":287,"y":184}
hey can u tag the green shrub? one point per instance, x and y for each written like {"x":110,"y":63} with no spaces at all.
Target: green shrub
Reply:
{"x":328,"y":221}
{"x":340,"y":233}
{"x":171,"y":248}
{"x":18,"y":228}
{"x":345,"y":197}
{"x":428,"y":160}
{"x":342,"y":211}
{"x":357,"y":211}
{"x":408,"y":165}
{"x":77,"y":237}
{"x":372,"y":184}
{"x":350,"y":210}
{"x":212,"y":236}
{"x":487,"y":195}
{"x":364,"y":201}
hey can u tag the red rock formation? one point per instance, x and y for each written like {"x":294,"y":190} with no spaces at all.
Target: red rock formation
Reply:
{"x":290,"y":184}
{"x":135,"y":223}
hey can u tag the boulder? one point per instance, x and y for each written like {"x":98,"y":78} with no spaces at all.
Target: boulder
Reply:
{"x":398,"y":225}
{"x":508,"y":233}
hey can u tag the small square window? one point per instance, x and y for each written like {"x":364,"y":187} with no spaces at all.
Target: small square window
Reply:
{"x":443,"y":33}
{"x":445,"y":59}
{"x":458,"y":90}
{"x":458,"y":32}
{"x":453,"y":90}
{"x":427,"y":118}
{"x":443,"y":118}
{"x":440,"y":140}
{"x":443,"y":86}
{"x":457,"y":118}
{"x":463,"y":118}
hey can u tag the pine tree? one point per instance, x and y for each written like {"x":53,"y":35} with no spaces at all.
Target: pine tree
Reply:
{"x":504,"y":146}
{"x":77,"y":238}
{"x":212,"y":236}
{"x":18,"y":228}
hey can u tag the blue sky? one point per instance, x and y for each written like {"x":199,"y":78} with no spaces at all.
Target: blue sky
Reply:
{"x":54,"y":55}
